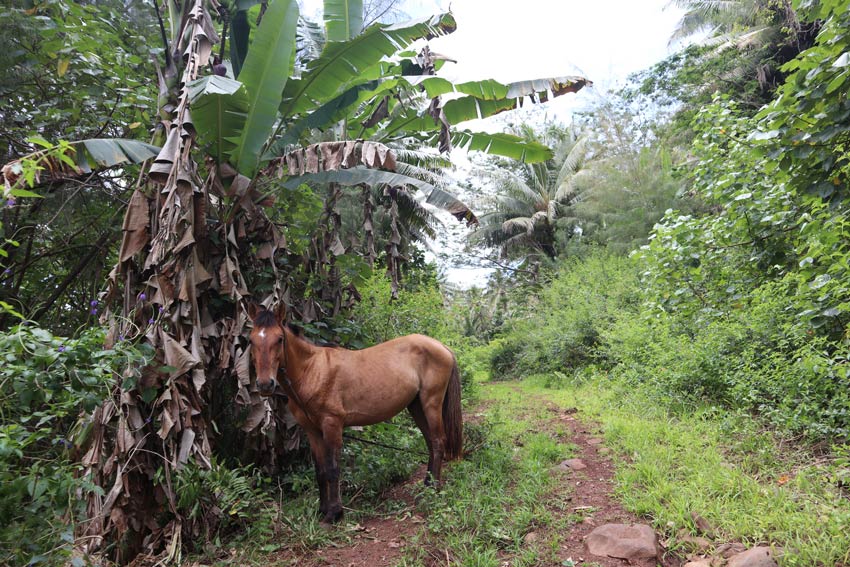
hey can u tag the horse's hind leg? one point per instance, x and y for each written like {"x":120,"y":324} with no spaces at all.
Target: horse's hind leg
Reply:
{"x":433,"y":411}
{"x":332,"y":435}
{"x":415,"y":409}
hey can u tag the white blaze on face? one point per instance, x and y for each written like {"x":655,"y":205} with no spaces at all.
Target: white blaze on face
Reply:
{"x":262,"y":333}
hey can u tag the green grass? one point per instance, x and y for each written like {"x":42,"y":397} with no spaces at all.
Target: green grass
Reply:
{"x":720,"y":466}
{"x":497,"y":494}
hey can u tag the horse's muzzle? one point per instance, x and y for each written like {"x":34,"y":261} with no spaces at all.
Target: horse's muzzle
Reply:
{"x":267,"y":388}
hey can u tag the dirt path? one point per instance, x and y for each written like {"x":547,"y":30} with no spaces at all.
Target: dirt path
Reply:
{"x":584,"y":496}
{"x":591,"y":493}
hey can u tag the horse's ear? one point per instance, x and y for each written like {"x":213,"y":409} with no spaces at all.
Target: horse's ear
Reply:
{"x":280,"y":312}
{"x":253,"y":310}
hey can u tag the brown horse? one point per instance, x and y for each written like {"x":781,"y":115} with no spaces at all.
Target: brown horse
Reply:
{"x":330,"y":388}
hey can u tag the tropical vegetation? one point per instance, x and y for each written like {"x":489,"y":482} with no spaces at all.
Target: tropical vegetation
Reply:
{"x":675,"y":261}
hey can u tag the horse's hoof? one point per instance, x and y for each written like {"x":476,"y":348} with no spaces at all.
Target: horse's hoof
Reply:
{"x":332,"y":517}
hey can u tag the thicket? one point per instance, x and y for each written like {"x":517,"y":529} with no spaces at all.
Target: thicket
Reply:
{"x":49,"y":389}
{"x":743,"y":301}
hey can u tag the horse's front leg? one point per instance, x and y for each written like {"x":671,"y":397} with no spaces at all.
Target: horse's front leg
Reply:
{"x":332,"y":435}
{"x":317,"y":448}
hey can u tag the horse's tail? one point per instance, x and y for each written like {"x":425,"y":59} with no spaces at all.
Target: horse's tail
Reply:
{"x":452,"y":417}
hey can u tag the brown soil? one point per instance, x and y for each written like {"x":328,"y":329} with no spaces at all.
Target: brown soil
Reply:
{"x":591,"y":495}
{"x":585,"y":497}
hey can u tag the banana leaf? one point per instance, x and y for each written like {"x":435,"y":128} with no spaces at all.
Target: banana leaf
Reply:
{"x":269,"y":64}
{"x":343,"y":65}
{"x":343,"y":19}
{"x":81,"y":158}
{"x":506,"y":145}
{"x":219,"y":110}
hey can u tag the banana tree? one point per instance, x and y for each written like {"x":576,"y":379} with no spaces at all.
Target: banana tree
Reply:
{"x":358,"y":88}
{"x":198,"y":238}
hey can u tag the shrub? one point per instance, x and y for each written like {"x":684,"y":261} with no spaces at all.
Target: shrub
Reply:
{"x":565,"y":330}
{"x":48,"y":388}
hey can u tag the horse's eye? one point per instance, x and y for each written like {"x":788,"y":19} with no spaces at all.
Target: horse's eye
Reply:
{"x":280,"y":340}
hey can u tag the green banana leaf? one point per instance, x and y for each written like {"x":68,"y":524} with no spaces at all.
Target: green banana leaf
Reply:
{"x":81,"y":158}
{"x":219,"y":109}
{"x":506,"y":145}
{"x":343,"y":65}
{"x":484,"y":99}
{"x":343,"y":19}
{"x":269,"y":64}
{"x":490,"y":89}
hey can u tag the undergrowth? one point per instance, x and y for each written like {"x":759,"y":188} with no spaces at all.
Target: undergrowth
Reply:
{"x":750,"y":484}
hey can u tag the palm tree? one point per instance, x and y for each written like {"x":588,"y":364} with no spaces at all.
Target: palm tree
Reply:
{"x":725,"y":21}
{"x":531,"y":197}
{"x":765,"y":33}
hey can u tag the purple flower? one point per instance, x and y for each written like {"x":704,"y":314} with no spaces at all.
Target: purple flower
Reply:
{"x":62,"y":348}
{"x":10,"y":202}
{"x":142,"y":296}
{"x":93,"y":302}
{"x":7,"y":271}
{"x":161,"y":309}
{"x":150,"y":321}
{"x":120,"y":337}
{"x":93,"y":311}
{"x":147,"y":420}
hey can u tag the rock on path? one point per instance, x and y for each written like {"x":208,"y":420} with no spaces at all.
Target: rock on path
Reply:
{"x":623,"y":541}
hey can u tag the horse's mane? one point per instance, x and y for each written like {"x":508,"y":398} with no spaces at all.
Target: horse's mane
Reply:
{"x":267,"y":318}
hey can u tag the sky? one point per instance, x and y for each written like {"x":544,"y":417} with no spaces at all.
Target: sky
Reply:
{"x":602,"y":40}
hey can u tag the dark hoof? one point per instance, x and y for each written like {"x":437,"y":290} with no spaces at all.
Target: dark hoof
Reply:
{"x":332,"y":517}
{"x":431,"y":483}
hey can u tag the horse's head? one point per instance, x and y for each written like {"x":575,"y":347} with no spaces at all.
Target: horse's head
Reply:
{"x":267,"y":345}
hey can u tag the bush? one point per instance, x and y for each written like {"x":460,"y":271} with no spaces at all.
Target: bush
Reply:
{"x":754,"y":359}
{"x":575,"y":309}
{"x":48,"y":388}
{"x":419,"y":310}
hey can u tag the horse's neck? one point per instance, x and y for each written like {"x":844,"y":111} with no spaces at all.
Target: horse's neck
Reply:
{"x":297,"y":358}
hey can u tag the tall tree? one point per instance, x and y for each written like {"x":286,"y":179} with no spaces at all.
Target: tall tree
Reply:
{"x":530,"y":198}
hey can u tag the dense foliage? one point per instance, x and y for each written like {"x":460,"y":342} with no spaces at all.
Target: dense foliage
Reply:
{"x":743,"y":298}
{"x":69,"y":73}
{"x":735,"y":293}
{"x":45,"y":383}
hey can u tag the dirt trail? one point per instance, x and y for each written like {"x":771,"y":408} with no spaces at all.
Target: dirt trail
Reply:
{"x":591,"y":493}
{"x":586,"y":496}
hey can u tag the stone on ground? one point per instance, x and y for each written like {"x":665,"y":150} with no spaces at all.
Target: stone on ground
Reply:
{"x":727,"y":550}
{"x":755,"y":557}
{"x":693,"y":543}
{"x":623,"y":541}
{"x":574,"y":464}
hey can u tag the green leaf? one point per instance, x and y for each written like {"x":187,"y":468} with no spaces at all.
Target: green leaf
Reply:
{"x":506,"y":145}
{"x":219,"y":111}
{"x":343,"y":65}
{"x":25,"y":193}
{"x":322,"y":117}
{"x":269,"y":63}
{"x":240,"y":34}
{"x":343,"y":19}
{"x":108,"y":152}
